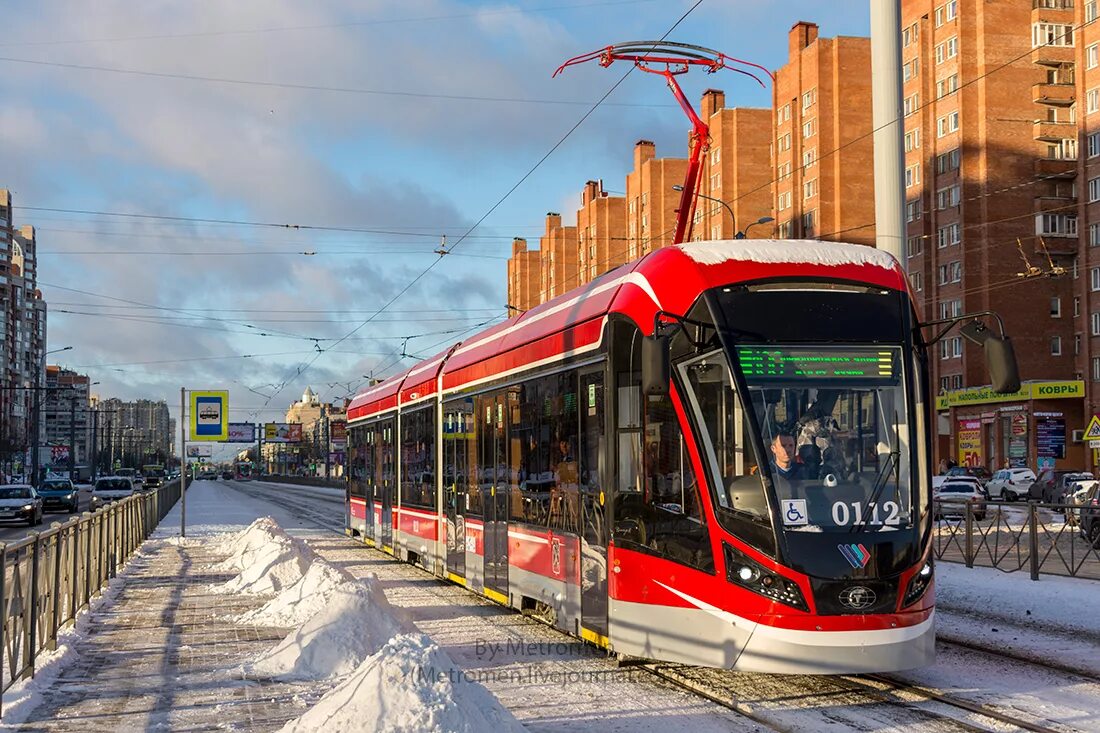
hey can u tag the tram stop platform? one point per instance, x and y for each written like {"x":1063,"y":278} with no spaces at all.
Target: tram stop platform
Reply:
{"x":165,"y":649}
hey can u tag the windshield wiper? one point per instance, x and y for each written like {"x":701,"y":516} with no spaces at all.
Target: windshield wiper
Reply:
{"x":892,"y":465}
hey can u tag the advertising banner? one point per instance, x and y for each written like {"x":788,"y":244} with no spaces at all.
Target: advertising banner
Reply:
{"x":209,"y":418}
{"x":200,"y":451}
{"x":242,"y":432}
{"x":969,"y":441}
{"x":338,"y":434}
{"x":1050,"y":437}
{"x":281,"y":432}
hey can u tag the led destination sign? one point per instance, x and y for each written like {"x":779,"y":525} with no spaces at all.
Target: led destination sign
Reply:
{"x":781,"y":363}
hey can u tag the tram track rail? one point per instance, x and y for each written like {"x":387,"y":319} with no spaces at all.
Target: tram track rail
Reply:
{"x":881,"y":689}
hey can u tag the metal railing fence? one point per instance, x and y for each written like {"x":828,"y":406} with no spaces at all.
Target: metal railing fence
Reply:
{"x":1012,"y":537}
{"x":48,"y":577}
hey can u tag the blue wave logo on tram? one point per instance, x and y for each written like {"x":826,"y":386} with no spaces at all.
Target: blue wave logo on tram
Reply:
{"x":856,"y":555}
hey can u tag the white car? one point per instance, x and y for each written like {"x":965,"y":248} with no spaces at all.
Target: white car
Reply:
{"x":20,"y":503}
{"x":111,"y":488}
{"x":1010,"y":484}
{"x":951,"y":498}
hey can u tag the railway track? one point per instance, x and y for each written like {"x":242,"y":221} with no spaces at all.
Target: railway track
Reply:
{"x":780,"y":703}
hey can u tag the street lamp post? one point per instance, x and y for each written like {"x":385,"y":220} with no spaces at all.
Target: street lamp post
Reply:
{"x":733,"y":217}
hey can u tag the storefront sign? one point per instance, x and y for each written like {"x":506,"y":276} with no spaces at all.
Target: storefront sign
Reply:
{"x":969,"y":441}
{"x":1017,"y":442}
{"x":1073,"y":389}
{"x":1050,"y":437}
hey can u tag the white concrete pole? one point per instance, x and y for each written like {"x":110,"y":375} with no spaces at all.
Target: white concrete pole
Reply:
{"x":886,"y":102}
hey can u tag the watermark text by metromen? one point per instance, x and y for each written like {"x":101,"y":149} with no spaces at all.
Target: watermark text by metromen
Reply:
{"x":526,"y":675}
{"x":514,"y":649}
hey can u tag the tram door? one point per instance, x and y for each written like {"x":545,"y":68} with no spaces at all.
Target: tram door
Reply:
{"x":494,"y":466}
{"x":388,"y":486}
{"x":457,"y":424}
{"x":368,"y":460}
{"x":593,"y":503}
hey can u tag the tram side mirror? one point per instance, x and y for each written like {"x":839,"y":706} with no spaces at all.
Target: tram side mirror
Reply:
{"x":656,"y":364}
{"x":1000,"y":356}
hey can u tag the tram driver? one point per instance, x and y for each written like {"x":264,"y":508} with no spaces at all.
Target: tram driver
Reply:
{"x":785,"y":467}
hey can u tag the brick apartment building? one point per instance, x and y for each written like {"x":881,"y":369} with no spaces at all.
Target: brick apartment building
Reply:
{"x":990,"y":190}
{"x":1084,"y":85}
{"x":822,"y":149}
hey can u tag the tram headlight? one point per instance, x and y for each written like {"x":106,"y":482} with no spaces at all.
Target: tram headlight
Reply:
{"x":918,"y":584}
{"x":743,"y":571}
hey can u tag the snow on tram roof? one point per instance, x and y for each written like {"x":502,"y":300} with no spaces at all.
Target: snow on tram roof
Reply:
{"x":790,"y":251}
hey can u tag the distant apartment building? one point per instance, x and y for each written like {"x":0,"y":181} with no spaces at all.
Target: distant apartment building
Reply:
{"x":736,"y":172}
{"x":67,"y":417}
{"x":524,"y":277}
{"x":22,"y":341}
{"x":133,"y":434}
{"x":821,"y":146}
{"x":601,"y":229}
{"x":558,"y":247}
{"x":651,"y":202}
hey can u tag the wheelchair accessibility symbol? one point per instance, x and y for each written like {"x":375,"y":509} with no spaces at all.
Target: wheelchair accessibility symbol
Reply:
{"x":794,"y":512}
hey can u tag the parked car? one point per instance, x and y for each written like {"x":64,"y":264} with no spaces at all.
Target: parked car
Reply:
{"x":979,"y":472}
{"x":110,"y":489}
{"x":951,"y":498}
{"x":59,"y":494}
{"x":1010,"y":484}
{"x":20,"y":503}
{"x":1090,"y":515}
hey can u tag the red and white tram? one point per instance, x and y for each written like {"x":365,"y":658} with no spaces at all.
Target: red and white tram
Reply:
{"x":750,"y":490}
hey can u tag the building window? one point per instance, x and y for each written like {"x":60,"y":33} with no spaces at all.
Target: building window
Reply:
{"x":1063,"y":150}
{"x":808,"y":224}
{"x":1094,"y":279}
{"x":947,"y":124}
{"x":909,"y":35}
{"x":1092,"y":101}
{"x":715,"y":155}
{"x":946,"y":13}
{"x":912,"y":210}
{"x":808,"y":98}
{"x":784,"y":113}
{"x":1090,"y":11}
{"x":1076,"y":307}
{"x":910,"y":70}
{"x":912,"y":175}
{"x":1094,"y":235}
{"x":948,"y":50}
{"x":784,"y":202}
{"x":957,"y":381}
{"x":809,"y":127}
{"x":1056,"y":225}
{"x":947,"y":198}
{"x":809,"y":189}
{"x":950,"y":308}
{"x":910,"y":104}
{"x":1076,"y":344}
{"x":1092,"y":143}
{"x":1092,"y":56}
{"x":947,"y":236}
{"x":783,"y":142}
{"x":784,"y":169}
{"x":1055,"y":345}
{"x":1094,"y":189}
{"x":1055,"y":307}
{"x":1051,"y":34}
{"x":912,"y":140}
{"x":947,"y":162}
{"x":950,"y":273}
{"x":1096,"y":368}
{"x":784,"y":230}
{"x":917,"y":281}
{"x":947,"y":85}
{"x":715,"y":181}
{"x":809,"y":157}
{"x":913,"y":246}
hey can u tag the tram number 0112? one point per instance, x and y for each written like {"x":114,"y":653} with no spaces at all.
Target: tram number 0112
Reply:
{"x":845,"y":514}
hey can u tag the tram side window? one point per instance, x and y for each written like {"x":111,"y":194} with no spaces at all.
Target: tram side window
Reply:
{"x":368,"y":457}
{"x":666,"y":517}
{"x":384,"y":468}
{"x":468,"y":458}
{"x":357,"y":461}
{"x":485,"y":471}
{"x":418,"y":458}
{"x":457,"y":442}
{"x":548,"y":471}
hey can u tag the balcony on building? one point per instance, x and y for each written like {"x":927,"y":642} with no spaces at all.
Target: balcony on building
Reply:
{"x":1057,"y":94}
{"x":1053,"y":132}
{"x":1056,"y":168}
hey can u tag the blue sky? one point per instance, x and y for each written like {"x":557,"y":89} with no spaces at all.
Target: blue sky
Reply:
{"x":413,"y":167}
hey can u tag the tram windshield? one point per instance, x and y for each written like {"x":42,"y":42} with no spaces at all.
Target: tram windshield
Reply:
{"x":833,"y":424}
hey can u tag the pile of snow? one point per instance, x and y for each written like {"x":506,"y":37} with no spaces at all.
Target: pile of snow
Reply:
{"x":409,"y":686}
{"x":269,"y":559}
{"x":788,"y":251}
{"x":300,"y":602}
{"x":354,"y":624}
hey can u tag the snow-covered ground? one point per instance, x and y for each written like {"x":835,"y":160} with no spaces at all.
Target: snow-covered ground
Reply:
{"x":374,"y":644}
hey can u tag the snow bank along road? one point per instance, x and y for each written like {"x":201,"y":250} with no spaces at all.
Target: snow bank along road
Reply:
{"x":1012,"y":654}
